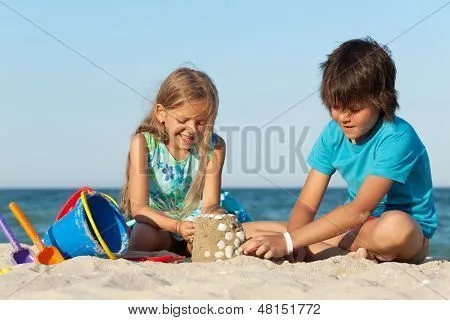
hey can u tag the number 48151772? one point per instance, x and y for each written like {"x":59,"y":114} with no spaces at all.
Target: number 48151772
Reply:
{"x":285,"y":308}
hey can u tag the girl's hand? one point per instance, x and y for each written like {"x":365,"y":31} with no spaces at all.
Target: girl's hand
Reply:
{"x":186,"y":230}
{"x":267,"y":247}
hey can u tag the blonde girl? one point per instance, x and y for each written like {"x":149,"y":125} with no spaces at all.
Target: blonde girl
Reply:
{"x":175,"y":166}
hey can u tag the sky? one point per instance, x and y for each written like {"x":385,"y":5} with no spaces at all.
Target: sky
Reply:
{"x":77,"y":77}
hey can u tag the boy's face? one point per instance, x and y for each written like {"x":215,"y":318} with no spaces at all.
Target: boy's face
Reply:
{"x":355,"y":123}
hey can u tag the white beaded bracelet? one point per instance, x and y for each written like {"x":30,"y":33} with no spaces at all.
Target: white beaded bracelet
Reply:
{"x":289,"y":244}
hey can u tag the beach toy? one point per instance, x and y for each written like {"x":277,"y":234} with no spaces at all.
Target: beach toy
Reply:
{"x":157,"y":256}
{"x":163,"y":259}
{"x":4,"y":270}
{"x":46,"y":255}
{"x":93,"y":227}
{"x":71,"y":202}
{"x":20,"y":255}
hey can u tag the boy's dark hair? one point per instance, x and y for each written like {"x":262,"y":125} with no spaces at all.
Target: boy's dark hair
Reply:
{"x":358,"y":72}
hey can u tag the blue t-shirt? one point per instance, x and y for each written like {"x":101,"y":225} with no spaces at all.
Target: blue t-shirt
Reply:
{"x":393,"y":151}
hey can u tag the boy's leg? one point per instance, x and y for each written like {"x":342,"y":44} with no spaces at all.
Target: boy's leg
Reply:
{"x":395,"y":236}
{"x":322,"y":251}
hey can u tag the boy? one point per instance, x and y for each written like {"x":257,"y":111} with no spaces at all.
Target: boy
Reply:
{"x":390,"y":213}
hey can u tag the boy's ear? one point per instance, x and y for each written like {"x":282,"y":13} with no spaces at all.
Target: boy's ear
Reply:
{"x":161,"y":113}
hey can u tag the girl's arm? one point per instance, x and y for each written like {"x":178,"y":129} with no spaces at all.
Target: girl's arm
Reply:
{"x":138,"y":188}
{"x":213,"y":178}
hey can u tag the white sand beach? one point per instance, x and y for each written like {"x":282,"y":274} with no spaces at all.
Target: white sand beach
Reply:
{"x":239,"y":278}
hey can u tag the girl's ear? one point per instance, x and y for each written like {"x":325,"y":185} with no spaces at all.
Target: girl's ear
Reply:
{"x":161,"y":113}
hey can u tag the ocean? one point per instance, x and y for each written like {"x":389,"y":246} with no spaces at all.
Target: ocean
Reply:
{"x":42,"y":205}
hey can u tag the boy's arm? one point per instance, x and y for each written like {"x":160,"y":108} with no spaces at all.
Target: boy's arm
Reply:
{"x":309,"y":200}
{"x":346,"y":217}
{"x":338,"y":221}
{"x":213,"y":178}
{"x":138,"y":188}
{"x":301,"y":215}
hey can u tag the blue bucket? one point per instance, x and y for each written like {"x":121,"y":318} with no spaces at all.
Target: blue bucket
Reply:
{"x":74,"y":235}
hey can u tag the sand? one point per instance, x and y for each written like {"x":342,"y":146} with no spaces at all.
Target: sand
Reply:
{"x":239,"y":278}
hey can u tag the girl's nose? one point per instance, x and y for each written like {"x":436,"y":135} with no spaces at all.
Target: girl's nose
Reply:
{"x":192,"y":126}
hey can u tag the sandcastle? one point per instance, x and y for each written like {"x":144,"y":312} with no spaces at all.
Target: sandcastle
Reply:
{"x":217,"y":237}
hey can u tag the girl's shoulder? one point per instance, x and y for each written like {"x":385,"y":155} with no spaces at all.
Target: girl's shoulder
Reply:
{"x":143,"y":142}
{"x":138,"y":150}
{"x":150,"y":140}
{"x":215,"y":138}
{"x":217,"y":143}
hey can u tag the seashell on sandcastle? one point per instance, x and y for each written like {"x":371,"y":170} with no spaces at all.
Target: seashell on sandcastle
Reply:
{"x":217,"y":237}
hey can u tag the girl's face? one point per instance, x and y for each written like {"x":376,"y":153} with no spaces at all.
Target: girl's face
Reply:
{"x":357,"y":122}
{"x":185,"y":124}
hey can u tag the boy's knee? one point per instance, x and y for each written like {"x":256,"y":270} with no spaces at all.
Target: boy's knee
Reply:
{"x":394,"y":229}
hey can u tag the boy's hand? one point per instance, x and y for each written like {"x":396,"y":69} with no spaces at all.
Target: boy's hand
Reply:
{"x":267,"y":247}
{"x":187,"y":230}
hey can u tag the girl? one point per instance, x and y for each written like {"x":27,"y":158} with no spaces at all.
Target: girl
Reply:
{"x":175,"y":165}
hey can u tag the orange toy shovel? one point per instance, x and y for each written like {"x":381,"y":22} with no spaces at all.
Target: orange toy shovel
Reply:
{"x":46,"y":255}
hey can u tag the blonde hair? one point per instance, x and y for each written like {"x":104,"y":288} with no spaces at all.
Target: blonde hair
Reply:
{"x":184,"y":85}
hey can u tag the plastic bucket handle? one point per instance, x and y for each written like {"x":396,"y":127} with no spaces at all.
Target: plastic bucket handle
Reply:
{"x":93,"y":225}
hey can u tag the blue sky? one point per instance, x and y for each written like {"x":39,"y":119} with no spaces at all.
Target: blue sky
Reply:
{"x":65,"y":122}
